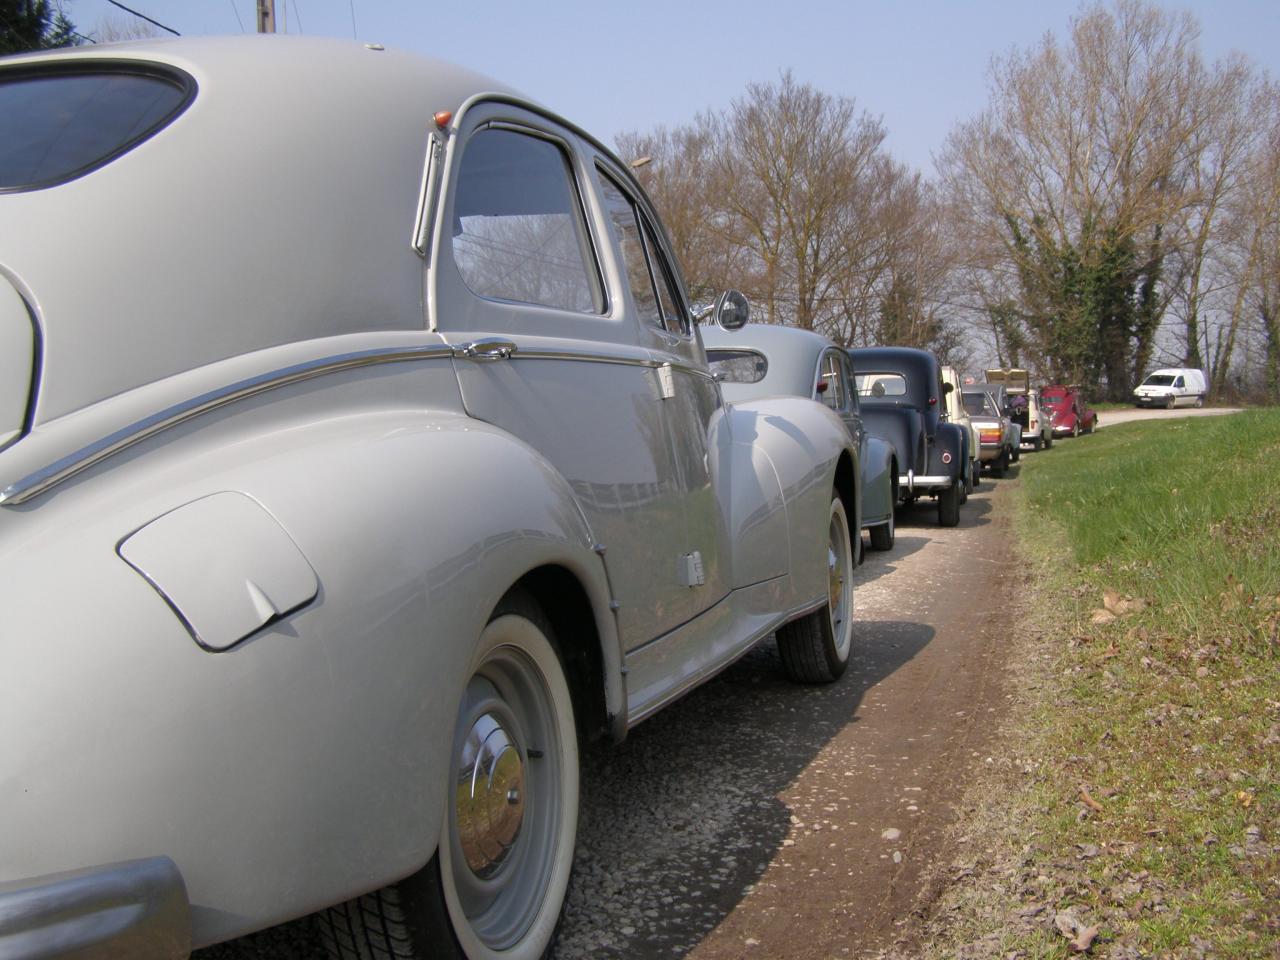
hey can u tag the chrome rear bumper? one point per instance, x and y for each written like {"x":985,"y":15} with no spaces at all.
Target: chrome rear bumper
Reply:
{"x":136,"y":909}
{"x":914,"y":481}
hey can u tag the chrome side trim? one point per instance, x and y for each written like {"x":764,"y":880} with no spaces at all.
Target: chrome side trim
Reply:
{"x":138,"y":908}
{"x":34,"y":484}
{"x":567,"y":353}
{"x":589,"y":356}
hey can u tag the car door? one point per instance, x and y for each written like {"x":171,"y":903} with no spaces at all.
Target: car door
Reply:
{"x":692,"y":399}
{"x":523,"y":283}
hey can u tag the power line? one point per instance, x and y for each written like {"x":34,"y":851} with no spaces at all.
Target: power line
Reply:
{"x":117,"y":3}
{"x":237,"y":13}
{"x":352,"y":5}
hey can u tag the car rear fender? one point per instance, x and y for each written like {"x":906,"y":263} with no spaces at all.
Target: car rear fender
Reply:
{"x":901,"y":427}
{"x":788,"y":452}
{"x":333,"y":720}
{"x":947,"y":452}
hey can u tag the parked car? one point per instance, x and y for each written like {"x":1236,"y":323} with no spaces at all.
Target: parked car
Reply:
{"x":1072,"y":416}
{"x":1036,"y":431}
{"x":360,"y":459}
{"x":1039,"y":429}
{"x":997,"y":434}
{"x":1008,"y":413}
{"x":1172,"y":387}
{"x":953,"y":404}
{"x":900,"y":390}
{"x":769,"y":360}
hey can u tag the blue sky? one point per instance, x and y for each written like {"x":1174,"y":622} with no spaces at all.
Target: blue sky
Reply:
{"x":611,"y":67}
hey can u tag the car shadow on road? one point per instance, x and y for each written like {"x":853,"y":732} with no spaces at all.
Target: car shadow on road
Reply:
{"x":878,"y":563}
{"x":974,"y":512}
{"x":684,"y":817}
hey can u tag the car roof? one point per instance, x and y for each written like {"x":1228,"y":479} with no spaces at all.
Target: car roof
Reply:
{"x":202,"y":242}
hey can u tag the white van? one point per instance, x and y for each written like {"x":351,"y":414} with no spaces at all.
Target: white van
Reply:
{"x":1172,"y":387}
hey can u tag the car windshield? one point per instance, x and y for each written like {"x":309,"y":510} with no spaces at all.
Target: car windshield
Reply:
{"x":737,"y":366}
{"x":978,"y":405}
{"x":881,"y":386}
{"x":1051,"y":401}
{"x":1158,"y":380}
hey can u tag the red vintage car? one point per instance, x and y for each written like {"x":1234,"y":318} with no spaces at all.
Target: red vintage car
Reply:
{"x":1072,"y":416}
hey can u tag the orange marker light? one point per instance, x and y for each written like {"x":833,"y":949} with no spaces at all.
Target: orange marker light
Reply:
{"x":443,"y":118}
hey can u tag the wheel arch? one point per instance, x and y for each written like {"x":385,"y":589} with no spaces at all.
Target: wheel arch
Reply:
{"x":564,"y":599}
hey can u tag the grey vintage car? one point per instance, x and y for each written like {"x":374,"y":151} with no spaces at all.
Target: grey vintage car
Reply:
{"x":358,"y":459}
{"x":769,"y":360}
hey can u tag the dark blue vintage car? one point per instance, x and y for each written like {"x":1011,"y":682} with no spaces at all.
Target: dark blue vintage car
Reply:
{"x":900,"y":389}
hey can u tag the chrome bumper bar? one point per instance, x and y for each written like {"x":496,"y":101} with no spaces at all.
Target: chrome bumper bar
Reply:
{"x":136,"y":909}
{"x":914,"y":481}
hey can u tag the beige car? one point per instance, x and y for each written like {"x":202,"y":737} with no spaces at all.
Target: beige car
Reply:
{"x":957,"y":414}
{"x":1024,"y":406}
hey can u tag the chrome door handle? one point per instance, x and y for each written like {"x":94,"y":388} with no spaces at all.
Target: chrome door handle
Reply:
{"x":489,"y":348}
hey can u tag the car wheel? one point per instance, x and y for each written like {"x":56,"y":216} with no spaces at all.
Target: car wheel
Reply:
{"x":1015,"y":454}
{"x":496,"y":885}
{"x":1200,"y":401}
{"x":1168,"y":403}
{"x":1075,"y":427}
{"x":1048,"y":441}
{"x":949,"y":506}
{"x":816,"y":647}
{"x":975,"y":475}
{"x":1000,"y":464}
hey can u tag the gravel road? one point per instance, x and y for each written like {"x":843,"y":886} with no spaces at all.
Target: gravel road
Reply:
{"x":756,"y":817}
{"x":1111,"y":417}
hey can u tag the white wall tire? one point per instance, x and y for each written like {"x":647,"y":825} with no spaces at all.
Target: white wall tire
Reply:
{"x":496,"y":886}
{"x":517,"y":681}
{"x":816,"y":647}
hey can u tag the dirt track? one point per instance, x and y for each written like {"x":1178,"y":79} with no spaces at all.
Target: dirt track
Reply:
{"x":755,"y":817}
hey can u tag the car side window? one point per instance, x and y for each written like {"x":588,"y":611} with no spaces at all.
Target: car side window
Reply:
{"x":647,"y":274}
{"x":737,"y":366}
{"x":846,"y":370}
{"x":1180,"y":383}
{"x":519,"y":231}
{"x":830,"y":388}
{"x":673,"y":318}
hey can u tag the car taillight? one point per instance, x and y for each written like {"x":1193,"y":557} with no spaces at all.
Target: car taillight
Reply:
{"x":989,"y":436}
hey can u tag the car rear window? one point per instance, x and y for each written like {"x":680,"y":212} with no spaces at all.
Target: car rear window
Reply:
{"x":877,"y":386}
{"x":737,"y":366}
{"x":59,"y":124}
{"x":979,"y":405}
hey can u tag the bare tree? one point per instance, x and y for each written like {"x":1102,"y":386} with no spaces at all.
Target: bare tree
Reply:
{"x":117,"y":28}
{"x":1071,"y":179}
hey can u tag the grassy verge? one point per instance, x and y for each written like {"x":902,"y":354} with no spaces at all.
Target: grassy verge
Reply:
{"x":1136,"y":807}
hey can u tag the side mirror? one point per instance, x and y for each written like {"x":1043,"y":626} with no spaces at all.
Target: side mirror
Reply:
{"x":731,"y":310}
{"x":947,"y":388}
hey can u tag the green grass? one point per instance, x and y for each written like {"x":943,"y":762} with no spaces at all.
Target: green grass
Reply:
{"x":1168,"y":715}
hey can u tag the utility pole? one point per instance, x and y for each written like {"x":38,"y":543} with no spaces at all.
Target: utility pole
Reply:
{"x":266,"y":16}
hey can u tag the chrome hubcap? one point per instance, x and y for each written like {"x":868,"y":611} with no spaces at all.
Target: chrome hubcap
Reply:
{"x":490,"y":796}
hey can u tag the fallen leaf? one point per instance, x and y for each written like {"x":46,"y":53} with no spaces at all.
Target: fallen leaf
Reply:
{"x":1244,"y":798}
{"x":1111,"y":600}
{"x":1081,"y":937}
{"x":1102,"y":616}
{"x":1089,"y":802}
